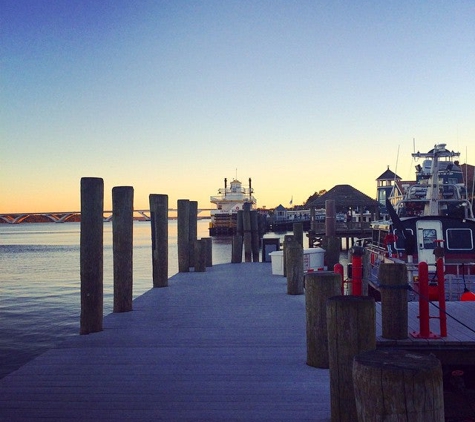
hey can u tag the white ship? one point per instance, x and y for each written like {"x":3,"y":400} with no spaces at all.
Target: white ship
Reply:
{"x":228,"y":202}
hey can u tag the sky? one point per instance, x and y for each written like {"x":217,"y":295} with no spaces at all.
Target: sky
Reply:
{"x":171,"y":97}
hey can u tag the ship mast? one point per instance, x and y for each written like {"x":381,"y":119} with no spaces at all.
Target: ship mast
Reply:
{"x":432,"y":206}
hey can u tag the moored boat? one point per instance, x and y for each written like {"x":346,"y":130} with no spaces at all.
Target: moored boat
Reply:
{"x":229,"y":201}
{"x":432,"y":219}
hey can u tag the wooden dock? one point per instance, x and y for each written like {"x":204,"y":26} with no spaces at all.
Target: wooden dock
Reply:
{"x":224,"y":345}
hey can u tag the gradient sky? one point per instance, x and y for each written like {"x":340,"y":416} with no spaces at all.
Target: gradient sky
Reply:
{"x":170,"y":97}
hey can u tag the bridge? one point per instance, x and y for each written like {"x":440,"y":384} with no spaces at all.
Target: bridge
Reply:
{"x":75,"y":216}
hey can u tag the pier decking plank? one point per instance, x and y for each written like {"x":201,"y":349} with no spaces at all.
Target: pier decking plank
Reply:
{"x":225,"y":345}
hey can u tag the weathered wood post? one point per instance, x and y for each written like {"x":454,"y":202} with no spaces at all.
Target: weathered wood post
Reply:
{"x":240,"y":223}
{"x":396,"y":385}
{"x":298,"y":232}
{"x":394,"y":303}
{"x":294,"y":256}
{"x":236,"y":257}
{"x":200,"y":256}
{"x":209,"y":250}
{"x":319,"y":287}
{"x":91,"y":254}
{"x":287,"y":239}
{"x":122,"y":246}
{"x":254,"y":236}
{"x":351,"y":324}
{"x":246,"y":219}
{"x":159,"y":223}
{"x":332,"y":244}
{"x":193,"y":230}
{"x":183,"y":207}
{"x":237,"y":241}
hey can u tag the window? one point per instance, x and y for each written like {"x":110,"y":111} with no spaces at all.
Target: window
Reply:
{"x":429,"y":237}
{"x":460,"y":239}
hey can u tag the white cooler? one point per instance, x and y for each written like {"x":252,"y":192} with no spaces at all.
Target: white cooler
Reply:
{"x":313,"y":259}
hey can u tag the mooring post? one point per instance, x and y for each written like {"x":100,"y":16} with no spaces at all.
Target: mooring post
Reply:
{"x":319,"y":287}
{"x":351,"y":323}
{"x":287,"y":239}
{"x":91,"y":254}
{"x":209,"y":250}
{"x":332,"y":244}
{"x":159,"y":226}
{"x":183,"y":207}
{"x":398,"y":385}
{"x":200,"y":255}
{"x":294,"y":256}
{"x":254,"y":236}
{"x":298,"y":232}
{"x":236,"y":252}
{"x":122,"y":246}
{"x":193,"y":225}
{"x":394,"y":303}
{"x":246,"y":218}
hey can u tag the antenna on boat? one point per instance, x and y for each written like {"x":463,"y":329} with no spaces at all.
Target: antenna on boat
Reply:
{"x":397,"y":161}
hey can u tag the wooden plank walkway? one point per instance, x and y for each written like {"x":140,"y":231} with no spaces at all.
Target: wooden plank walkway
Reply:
{"x":225,"y":345}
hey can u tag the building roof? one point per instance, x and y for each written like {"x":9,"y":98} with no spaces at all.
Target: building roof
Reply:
{"x":345,"y":196}
{"x":388,"y":175}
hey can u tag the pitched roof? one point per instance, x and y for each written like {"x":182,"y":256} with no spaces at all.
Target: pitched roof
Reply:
{"x":345,"y":196}
{"x":389,"y":175}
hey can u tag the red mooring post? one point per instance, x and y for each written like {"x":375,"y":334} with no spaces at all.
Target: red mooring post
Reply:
{"x":357,"y":273}
{"x":338,"y":269}
{"x":423,"y":302}
{"x":441,"y":289}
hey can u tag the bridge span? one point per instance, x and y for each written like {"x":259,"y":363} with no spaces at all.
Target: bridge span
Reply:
{"x":75,"y":216}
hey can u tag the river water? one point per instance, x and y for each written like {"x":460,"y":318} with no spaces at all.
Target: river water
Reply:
{"x":40,"y":282}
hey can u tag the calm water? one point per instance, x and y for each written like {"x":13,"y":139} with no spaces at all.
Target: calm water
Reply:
{"x":40,"y":282}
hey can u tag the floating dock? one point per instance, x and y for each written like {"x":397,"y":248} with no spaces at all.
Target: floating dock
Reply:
{"x":227,"y":344}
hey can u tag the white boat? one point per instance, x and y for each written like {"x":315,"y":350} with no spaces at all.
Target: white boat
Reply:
{"x":433,"y":218}
{"x":229,"y":201}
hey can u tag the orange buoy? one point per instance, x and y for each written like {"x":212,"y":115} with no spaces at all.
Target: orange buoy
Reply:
{"x":467,"y":296}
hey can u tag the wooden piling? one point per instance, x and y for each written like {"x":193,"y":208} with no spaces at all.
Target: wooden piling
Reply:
{"x":331,"y":243}
{"x":159,"y":228}
{"x":193,"y":230}
{"x":240,"y":223}
{"x":294,"y":265}
{"x":183,"y":238}
{"x":287,"y":239}
{"x":330,"y":218}
{"x":319,"y":287}
{"x":394,"y":307}
{"x":332,"y":250}
{"x":91,"y":254}
{"x":254,"y":236}
{"x":351,"y":324}
{"x":209,"y":250}
{"x":298,"y":232}
{"x":396,"y":385}
{"x":122,"y":246}
{"x":236,"y":257}
{"x":246,"y":218}
{"x":200,"y":256}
